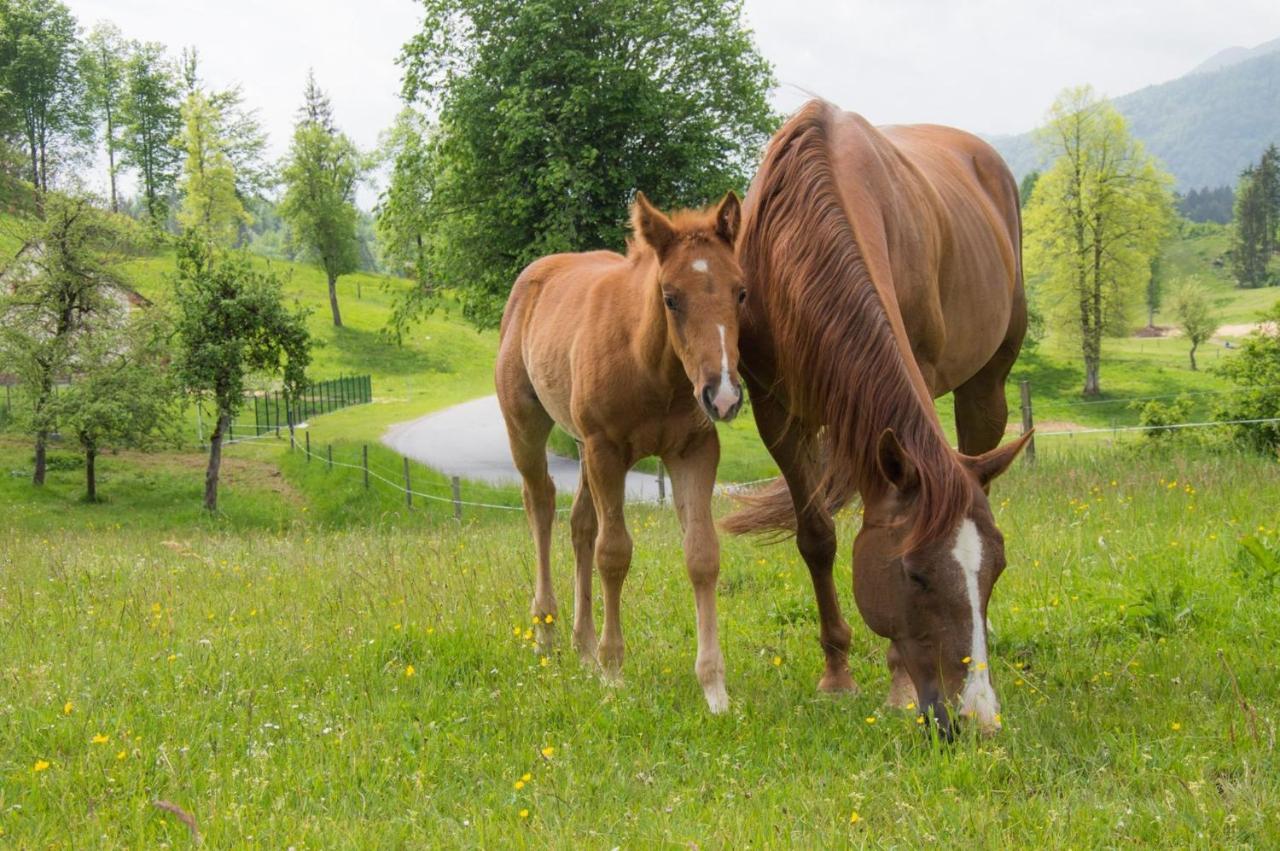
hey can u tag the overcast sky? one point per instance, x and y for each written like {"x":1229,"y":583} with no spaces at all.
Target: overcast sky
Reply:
{"x":991,"y":66}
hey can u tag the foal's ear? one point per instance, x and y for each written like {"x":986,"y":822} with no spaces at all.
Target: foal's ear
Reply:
{"x":989,"y":465}
{"x":728,"y":217}
{"x":894,"y":462}
{"x":651,"y":225}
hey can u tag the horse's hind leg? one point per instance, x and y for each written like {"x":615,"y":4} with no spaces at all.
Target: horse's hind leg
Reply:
{"x":528,"y":427}
{"x":693,"y":477}
{"x":583,"y":526}
{"x":982,"y":411}
{"x":607,"y":472}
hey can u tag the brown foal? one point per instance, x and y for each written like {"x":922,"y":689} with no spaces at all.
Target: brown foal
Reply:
{"x":633,"y":356}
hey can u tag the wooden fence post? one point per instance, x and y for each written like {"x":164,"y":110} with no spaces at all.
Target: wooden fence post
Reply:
{"x":457,"y":498}
{"x":329,"y":447}
{"x":408,"y":491}
{"x":308,"y":447}
{"x":364,"y":462}
{"x":1028,"y":422}
{"x":662,"y":486}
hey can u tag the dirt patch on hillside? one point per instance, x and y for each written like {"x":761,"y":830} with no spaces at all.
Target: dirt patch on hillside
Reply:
{"x":1239,"y":329}
{"x":1046,"y":426}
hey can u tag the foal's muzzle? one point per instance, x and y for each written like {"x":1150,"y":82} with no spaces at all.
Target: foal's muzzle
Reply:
{"x":721,"y":400}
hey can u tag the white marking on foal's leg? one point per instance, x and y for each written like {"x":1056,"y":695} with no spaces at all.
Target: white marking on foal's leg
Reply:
{"x":700,"y":265}
{"x":978,"y":698}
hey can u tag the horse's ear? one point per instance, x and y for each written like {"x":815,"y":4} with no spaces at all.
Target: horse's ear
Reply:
{"x":728,"y":217}
{"x":895,"y":464}
{"x":989,"y":465}
{"x":651,"y":225}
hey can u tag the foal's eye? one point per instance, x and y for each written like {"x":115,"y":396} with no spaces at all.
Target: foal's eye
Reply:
{"x":669,"y":301}
{"x":742,"y":296}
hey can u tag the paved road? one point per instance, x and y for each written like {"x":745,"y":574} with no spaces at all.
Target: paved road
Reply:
{"x":470,"y":441}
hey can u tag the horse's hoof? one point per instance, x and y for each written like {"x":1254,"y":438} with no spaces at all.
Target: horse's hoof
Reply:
{"x":902,"y":694}
{"x":717,"y":699}
{"x":840,"y":683}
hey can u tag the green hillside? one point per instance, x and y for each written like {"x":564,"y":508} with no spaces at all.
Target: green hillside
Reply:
{"x":1205,"y":127}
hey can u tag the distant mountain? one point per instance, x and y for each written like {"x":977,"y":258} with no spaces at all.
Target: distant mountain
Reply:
{"x":1205,"y":126}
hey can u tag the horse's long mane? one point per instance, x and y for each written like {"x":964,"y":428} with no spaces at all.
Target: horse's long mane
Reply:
{"x":837,"y":359}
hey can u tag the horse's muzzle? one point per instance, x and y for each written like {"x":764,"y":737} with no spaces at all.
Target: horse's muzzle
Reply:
{"x":721,"y":401}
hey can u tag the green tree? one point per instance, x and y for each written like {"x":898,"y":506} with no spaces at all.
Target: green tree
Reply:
{"x":1249,"y":232}
{"x":1096,"y":219}
{"x":1027,"y":186}
{"x":320,"y":176}
{"x":105,"y":58}
{"x":1194,"y":312}
{"x":402,"y":224}
{"x":65,"y":280}
{"x":232,"y":323}
{"x":244,"y":142}
{"x":122,"y":395}
{"x":1268,"y":177}
{"x":41,"y":89}
{"x":153,"y":121}
{"x":1255,"y":371}
{"x":209,"y":199}
{"x":552,"y":113}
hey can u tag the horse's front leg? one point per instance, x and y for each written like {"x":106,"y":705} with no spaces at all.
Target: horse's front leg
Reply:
{"x":693,"y":477}
{"x":606,"y":471}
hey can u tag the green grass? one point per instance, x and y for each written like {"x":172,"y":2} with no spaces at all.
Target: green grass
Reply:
{"x":253,"y":671}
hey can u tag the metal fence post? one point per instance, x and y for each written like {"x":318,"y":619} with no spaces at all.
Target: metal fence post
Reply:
{"x":308,"y":434}
{"x":1028,"y":422}
{"x":408,"y":491}
{"x":364,"y":462}
{"x":457,"y":498}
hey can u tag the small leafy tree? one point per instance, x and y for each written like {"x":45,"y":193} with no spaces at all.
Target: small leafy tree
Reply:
{"x":122,"y":395}
{"x":1095,"y":220}
{"x":1255,"y":371}
{"x":1193,"y":310}
{"x":232,"y":323}
{"x":403,"y":227}
{"x":320,"y":177}
{"x":65,"y":280}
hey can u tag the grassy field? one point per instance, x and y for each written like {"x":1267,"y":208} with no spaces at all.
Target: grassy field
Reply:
{"x":291,"y":676}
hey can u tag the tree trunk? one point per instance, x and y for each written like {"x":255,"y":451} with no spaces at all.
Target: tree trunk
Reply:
{"x":42,"y":438}
{"x":333,"y":300}
{"x":90,"y":475}
{"x":1194,"y":346}
{"x":1092,"y":387}
{"x":215,"y":463}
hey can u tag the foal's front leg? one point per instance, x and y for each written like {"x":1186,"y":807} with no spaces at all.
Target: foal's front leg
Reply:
{"x":693,"y":478}
{"x":606,"y":471}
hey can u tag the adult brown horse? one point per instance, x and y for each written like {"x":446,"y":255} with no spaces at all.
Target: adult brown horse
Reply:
{"x":633,"y":356}
{"x":884,"y":267}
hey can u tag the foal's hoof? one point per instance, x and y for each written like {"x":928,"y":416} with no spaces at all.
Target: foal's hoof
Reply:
{"x":837,"y":683}
{"x":717,"y":698}
{"x":545,"y":635}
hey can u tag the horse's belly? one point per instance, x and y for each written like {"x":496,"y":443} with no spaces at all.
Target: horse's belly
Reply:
{"x":551,"y":375}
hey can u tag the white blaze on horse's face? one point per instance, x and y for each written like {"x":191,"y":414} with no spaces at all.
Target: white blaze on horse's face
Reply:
{"x":728,"y":395}
{"x":699,"y":265}
{"x":978,"y":698}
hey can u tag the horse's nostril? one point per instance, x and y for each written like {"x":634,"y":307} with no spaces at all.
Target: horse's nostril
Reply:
{"x":708,"y":398}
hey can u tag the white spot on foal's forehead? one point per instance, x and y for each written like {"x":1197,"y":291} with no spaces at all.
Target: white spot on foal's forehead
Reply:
{"x":700,"y":265}
{"x":978,"y":697}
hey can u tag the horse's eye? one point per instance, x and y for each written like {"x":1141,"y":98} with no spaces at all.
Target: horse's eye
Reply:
{"x":669,"y":301}
{"x":919,"y":579}
{"x":742,"y":296}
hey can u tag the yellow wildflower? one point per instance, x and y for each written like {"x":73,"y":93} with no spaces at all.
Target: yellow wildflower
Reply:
{"x":519,"y":784}
{"x":524,"y":814}
{"x":100,"y":739}
{"x":854,"y":818}
{"x":919,"y":719}
{"x":544,"y":661}
{"x":549,"y":619}
{"x":41,"y":765}
{"x":777,"y":660}
{"x":120,"y":755}
{"x":548,"y":751}
{"x":526,"y":777}
{"x":408,"y":670}
{"x":966,"y":660}
{"x":1175,"y":726}
{"x":68,"y":707}
{"x":871,"y":719}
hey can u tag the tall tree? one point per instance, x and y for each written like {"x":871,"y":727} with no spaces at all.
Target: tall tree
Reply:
{"x":243,"y":140}
{"x":123,"y":394}
{"x":1096,"y":219}
{"x":153,"y":121}
{"x":232,"y":323}
{"x":1268,"y":177}
{"x":209,"y":199}
{"x":406,"y":148}
{"x":105,"y":57}
{"x":1027,"y":186}
{"x":1193,"y":310}
{"x":1249,"y":233}
{"x":65,"y":279}
{"x":320,"y":176}
{"x":41,"y":90}
{"x":552,"y":113}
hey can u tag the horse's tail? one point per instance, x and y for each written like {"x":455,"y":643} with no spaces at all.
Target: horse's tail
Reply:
{"x":770,"y":510}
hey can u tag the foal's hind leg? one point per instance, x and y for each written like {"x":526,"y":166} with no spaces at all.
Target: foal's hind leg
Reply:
{"x":583,"y":526}
{"x":693,"y":478}
{"x":528,"y":426}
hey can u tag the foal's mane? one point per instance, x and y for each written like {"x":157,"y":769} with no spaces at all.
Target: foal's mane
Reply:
{"x":837,"y":356}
